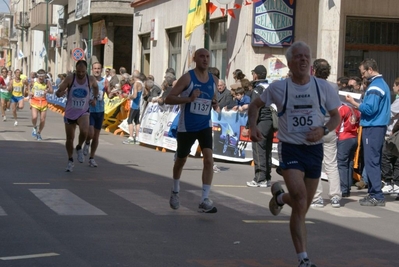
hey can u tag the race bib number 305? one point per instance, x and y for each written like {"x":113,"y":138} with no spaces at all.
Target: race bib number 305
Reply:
{"x":201,"y":106}
{"x":301,"y":120}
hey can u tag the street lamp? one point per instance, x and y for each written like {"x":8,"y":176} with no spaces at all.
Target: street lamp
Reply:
{"x":47,"y":35}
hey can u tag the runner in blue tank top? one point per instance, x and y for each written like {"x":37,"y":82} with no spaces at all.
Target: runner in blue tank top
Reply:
{"x":96,"y":114}
{"x":195,"y":92}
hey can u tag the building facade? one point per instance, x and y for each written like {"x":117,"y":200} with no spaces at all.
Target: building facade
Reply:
{"x":149,"y":35}
{"x":342,"y":32}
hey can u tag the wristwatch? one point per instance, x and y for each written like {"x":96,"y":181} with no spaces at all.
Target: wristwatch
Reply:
{"x":326,"y":131}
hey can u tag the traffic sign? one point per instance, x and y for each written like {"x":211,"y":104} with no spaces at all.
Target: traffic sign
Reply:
{"x":78,"y":54}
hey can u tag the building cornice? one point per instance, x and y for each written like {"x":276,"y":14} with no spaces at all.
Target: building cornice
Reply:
{"x":137,"y":3}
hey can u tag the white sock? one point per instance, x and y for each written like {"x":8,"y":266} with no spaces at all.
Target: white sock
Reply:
{"x":206,"y":188}
{"x":302,"y":256}
{"x":280,"y":199}
{"x":176,"y":185}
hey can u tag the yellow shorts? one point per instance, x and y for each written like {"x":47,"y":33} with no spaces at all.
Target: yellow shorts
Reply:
{"x":40,"y":105}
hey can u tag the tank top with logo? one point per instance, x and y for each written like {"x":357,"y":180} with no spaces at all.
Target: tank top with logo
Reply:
{"x":196,"y":115}
{"x":78,"y":99}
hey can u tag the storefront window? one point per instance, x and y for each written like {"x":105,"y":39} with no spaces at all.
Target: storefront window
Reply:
{"x":218,"y":45}
{"x":175,"y":40}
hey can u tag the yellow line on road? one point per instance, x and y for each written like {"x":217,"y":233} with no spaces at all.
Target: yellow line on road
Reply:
{"x":272,"y":221}
{"x":29,"y":256}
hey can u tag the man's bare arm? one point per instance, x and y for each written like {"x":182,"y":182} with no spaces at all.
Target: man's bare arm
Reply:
{"x":94,"y":86}
{"x":173,"y":97}
{"x":63,"y":87}
{"x":49,"y":87}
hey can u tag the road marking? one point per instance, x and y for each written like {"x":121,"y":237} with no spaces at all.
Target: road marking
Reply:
{"x":11,"y":136}
{"x":228,"y":185}
{"x":151,"y":202}
{"x":63,"y":202}
{"x":30,"y":183}
{"x":236,"y":203}
{"x":344,"y":212}
{"x":2,"y":212}
{"x":31,"y":256}
{"x":273,"y":221}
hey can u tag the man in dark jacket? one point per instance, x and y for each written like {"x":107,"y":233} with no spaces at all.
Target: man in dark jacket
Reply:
{"x":262,"y":150}
{"x":225,"y":99}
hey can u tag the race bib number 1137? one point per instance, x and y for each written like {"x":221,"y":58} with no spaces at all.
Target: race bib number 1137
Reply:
{"x":201,"y":106}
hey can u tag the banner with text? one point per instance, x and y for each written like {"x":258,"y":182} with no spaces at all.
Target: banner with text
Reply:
{"x":274,"y":23}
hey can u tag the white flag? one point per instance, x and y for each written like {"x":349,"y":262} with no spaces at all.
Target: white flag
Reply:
{"x":20,"y":54}
{"x":43,"y":51}
{"x":86,"y":51}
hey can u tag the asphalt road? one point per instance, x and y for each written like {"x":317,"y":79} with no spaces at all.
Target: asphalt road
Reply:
{"x":118,"y":214}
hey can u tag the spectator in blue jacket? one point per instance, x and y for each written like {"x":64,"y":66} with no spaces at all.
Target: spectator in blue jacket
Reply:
{"x":375,"y":116}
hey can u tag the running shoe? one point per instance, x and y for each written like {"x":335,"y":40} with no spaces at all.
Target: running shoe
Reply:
{"x":206,"y":206}
{"x":4,"y":118}
{"x":92,"y":163}
{"x":317,"y":203}
{"x":86,"y":149}
{"x":174,"y":201}
{"x":335,"y":202}
{"x":306,"y":263}
{"x":274,"y":207}
{"x":81,"y":157}
{"x":34,"y":132}
{"x":70,"y":166}
{"x":260,"y":184}
{"x":16,"y":123}
{"x":371,"y":201}
{"x":215,"y":169}
{"x":38,"y":137}
{"x":129,"y":141}
{"x":390,"y":189}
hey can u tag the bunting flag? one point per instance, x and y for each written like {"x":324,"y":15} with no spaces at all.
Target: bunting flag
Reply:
{"x":211,"y":7}
{"x":331,"y":4}
{"x":230,"y":11}
{"x":43,"y":51}
{"x":267,"y":56}
{"x":196,"y":16}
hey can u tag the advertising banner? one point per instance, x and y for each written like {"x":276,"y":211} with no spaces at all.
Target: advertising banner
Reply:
{"x":273,"y":23}
{"x":155,"y":125}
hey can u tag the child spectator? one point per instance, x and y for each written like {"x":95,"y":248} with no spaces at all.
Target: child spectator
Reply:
{"x":242,"y":100}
